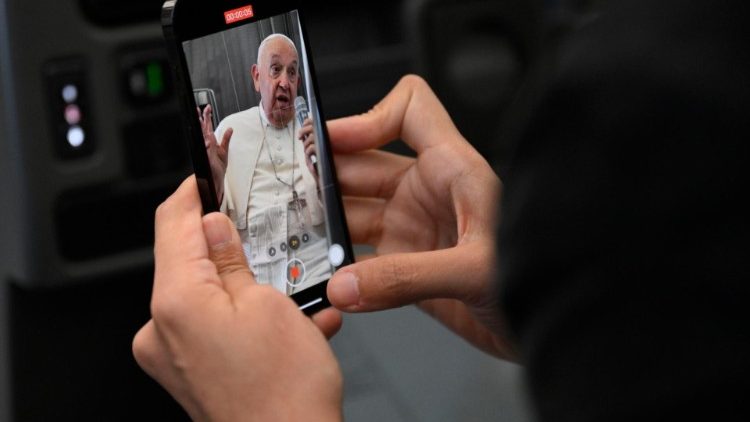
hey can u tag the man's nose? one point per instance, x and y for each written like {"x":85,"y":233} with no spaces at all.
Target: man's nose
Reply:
{"x":284,"y":80}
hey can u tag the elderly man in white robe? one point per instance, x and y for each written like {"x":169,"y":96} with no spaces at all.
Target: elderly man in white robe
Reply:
{"x":262,"y":166}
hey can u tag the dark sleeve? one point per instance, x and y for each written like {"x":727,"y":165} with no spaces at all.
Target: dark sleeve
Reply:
{"x":624,"y":237}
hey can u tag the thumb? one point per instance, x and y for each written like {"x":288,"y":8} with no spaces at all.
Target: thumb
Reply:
{"x":226,"y":138}
{"x":225,"y":251}
{"x":224,"y":147}
{"x":390,"y":281}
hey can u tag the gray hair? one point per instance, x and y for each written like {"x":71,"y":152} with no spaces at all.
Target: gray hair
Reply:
{"x":264,"y":44}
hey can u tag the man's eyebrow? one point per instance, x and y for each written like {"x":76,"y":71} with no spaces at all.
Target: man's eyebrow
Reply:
{"x":276,"y":57}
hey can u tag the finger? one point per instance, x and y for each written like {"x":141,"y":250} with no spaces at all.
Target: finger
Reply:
{"x":309,"y":150}
{"x":203,"y":119}
{"x":304,"y":132}
{"x":411,"y":112}
{"x":371,"y":173}
{"x":179,"y":238}
{"x":311,"y":168}
{"x":328,"y":321}
{"x":225,"y":139}
{"x":391,"y":281}
{"x":364,"y":217}
{"x":207,"y":117}
{"x":225,"y":251}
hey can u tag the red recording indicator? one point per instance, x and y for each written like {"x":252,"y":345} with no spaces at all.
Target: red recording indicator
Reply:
{"x":239,"y":14}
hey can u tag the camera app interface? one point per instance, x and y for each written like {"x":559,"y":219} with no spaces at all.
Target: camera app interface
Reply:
{"x":255,"y":102}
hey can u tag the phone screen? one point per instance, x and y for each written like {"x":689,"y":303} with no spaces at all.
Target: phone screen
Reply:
{"x":264,"y":140}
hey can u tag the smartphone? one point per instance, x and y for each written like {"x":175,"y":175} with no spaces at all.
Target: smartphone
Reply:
{"x":258,"y":139}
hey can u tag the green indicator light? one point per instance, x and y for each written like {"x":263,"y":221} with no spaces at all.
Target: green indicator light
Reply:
{"x":155,"y":79}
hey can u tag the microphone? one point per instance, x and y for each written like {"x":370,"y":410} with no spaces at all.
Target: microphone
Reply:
{"x":300,"y":107}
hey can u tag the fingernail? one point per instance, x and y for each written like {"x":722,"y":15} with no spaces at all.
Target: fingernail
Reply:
{"x":218,"y":232}
{"x":345,"y":289}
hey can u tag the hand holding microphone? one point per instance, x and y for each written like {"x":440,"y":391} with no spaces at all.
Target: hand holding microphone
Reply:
{"x":306,"y":130}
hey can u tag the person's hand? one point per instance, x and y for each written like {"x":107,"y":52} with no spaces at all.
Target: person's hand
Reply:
{"x":226,"y":348}
{"x":218,"y":153}
{"x":307,"y":136}
{"x":431,"y":219}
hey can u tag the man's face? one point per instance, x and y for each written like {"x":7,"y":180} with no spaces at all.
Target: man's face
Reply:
{"x":276,"y":78}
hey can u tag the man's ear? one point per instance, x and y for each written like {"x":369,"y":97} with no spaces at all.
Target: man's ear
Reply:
{"x":255,"y":73}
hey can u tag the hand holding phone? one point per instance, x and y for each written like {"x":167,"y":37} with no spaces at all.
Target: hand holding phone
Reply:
{"x":266,"y":163}
{"x":217,"y":349}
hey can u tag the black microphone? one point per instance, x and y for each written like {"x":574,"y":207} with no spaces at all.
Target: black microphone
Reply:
{"x":300,"y":107}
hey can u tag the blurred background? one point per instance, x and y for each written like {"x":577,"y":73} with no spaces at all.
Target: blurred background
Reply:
{"x":90,"y":144}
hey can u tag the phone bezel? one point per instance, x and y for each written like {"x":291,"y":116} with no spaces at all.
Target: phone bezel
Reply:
{"x":194,"y":19}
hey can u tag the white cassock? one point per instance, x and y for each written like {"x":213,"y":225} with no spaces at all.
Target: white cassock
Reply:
{"x":284,"y":239}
